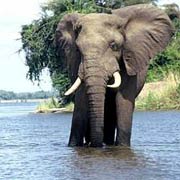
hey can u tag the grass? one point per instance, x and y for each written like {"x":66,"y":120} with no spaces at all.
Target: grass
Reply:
{"x":52,"y":106}
{"x":69,"y":107}
{"x":163,"y":95}
{"x":46,"y":105}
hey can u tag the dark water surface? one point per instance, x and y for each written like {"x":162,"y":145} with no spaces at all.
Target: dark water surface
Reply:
{"x":34,"y":147}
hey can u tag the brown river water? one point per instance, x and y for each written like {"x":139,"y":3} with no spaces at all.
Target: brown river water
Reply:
{"x":34,"y":147}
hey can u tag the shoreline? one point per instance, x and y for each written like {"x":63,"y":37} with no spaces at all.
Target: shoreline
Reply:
{"x":23,"y":100}
{"x":64,"y":110}
{"x":54,"y":110}
{"x":155,"y":96}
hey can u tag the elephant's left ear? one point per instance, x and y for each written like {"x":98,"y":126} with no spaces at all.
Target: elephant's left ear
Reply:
{"x":148,"y":30}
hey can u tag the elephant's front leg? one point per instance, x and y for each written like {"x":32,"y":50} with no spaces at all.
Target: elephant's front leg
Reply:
{"x":79,"y":120}
{"x":125,"y":100}
{"x":125,"y":108}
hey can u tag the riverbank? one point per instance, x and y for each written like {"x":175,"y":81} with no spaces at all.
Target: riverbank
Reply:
{"x":52,"y":106}
{"x":162,"y":95}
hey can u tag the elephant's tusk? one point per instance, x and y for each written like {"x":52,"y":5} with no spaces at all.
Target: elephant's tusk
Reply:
{"x":73,"y":88}
{"x":117,"y":80}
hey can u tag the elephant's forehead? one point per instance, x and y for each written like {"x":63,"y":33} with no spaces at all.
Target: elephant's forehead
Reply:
{"x":100,"y":19}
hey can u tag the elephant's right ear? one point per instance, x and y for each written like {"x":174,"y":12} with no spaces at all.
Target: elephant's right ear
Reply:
{"x":65,"y":34}
{"x":64,"y":41}
{"x":148,"y":30}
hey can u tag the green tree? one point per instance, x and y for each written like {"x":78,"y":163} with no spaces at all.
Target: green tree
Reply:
{"x":7,"y":95}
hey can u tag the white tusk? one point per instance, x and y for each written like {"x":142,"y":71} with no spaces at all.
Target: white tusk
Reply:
{"x":117,"y":80}
{"x":76,"y":84}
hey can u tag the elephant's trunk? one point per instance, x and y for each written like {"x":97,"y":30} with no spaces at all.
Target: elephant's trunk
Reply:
{"x":96,"y":115}
{"x":96,"y":83}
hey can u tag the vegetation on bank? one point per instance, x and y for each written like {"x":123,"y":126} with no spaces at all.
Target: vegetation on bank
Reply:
{"x":47,"y":105}
{"x":52,"y":106}
{"x":161,"y":95}
{"x":37,"y":43}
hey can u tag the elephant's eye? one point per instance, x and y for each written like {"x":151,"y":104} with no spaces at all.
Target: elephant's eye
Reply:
{"x":77,"y":30}
{"x":114,"y":46}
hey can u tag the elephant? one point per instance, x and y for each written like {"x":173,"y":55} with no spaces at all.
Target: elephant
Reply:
{"x":107,"y":56}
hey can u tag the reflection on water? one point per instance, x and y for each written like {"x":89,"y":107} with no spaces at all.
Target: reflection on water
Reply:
{"x":109,"y":163}
{"x":34,"y":146}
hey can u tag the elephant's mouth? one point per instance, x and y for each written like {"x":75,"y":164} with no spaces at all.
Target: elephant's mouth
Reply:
{"x":77,"y":83}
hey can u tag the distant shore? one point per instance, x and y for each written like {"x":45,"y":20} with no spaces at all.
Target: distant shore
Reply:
{"x":22,"y":100}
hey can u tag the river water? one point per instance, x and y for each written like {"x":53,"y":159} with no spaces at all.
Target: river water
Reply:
{"x":34,"y":147}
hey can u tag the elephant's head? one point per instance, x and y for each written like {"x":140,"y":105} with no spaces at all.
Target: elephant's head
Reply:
{"x":96,"y":44}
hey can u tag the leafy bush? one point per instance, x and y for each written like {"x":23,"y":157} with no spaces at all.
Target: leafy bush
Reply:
{"x":45,"y":106}
{"x":61,"y":82}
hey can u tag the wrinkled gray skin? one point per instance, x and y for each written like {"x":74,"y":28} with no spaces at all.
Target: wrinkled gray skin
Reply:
{"x":96,"y":46}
